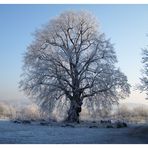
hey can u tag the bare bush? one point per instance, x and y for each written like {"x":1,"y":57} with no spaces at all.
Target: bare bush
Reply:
{"x":30,"y":112}
{"x":140,"y":111}
{"x":123,"y":112}
{"x":137,"y":114}
{"x":6,"y":111}
{"x":95,"y":114}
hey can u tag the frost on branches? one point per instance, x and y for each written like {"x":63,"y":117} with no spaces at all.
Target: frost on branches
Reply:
{"x":144,"y":79}
{"x":69,"y":58}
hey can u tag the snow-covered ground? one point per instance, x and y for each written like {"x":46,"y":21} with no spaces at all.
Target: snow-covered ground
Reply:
{"x":14,"y":133}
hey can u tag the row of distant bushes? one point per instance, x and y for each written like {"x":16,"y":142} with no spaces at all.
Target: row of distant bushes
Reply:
{"x":138,"y":114}
{"x":32,"y":112}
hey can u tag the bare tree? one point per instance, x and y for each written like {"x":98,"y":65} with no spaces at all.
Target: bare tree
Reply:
{"x":71,"y":59}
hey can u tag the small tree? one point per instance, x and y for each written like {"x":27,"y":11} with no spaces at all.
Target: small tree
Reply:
{"x":71,"y":59}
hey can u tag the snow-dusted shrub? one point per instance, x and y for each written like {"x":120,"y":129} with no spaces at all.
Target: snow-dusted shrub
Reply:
{"x":140,"y":111}
{"x":30,"y":112}
{"x":123,"y":112}
{"x":137,"y":114}
{"x":6,"y":111}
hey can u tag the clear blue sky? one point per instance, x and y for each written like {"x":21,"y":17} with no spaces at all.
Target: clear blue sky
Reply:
{"x":126,"y":25}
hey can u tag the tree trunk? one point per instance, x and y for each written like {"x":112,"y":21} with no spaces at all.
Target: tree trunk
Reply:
{"x":74,"y":111}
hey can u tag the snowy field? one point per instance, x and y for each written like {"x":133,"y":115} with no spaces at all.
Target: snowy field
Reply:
{"x":13,"y":133}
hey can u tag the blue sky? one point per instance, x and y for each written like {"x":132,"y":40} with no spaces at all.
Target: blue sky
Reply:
{"x":126,"y":25}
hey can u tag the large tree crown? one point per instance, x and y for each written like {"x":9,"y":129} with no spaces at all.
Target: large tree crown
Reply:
{"x":70,"y":58}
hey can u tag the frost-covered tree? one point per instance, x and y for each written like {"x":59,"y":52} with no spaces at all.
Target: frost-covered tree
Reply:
{"x":70,"y":58}
{"x":144,"y":79}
